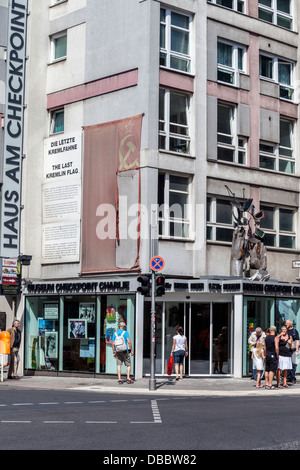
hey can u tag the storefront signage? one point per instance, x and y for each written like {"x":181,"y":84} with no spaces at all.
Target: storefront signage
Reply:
{"x":10,"y":277}
{"x":181,"y":286}
{"x":13,"y":129}
{"x":197,"y":287}
{"x":122,"y":286}
{"x":78,"y":287}
{"x":214,"y":286}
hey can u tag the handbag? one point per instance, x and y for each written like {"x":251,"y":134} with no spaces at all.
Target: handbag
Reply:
{"x":170,"y":366}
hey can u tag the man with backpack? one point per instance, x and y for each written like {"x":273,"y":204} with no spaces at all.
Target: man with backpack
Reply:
{"x":122,"y":349}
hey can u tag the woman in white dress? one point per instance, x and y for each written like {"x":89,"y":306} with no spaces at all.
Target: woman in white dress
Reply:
{"x":258,"y":362}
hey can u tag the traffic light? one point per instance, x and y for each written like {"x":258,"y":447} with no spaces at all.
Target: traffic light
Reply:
{"x":145,"y":287}
{"x":159,"y":285}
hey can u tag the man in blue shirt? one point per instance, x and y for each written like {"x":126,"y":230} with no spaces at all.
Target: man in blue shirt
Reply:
{"x":123,"y":356}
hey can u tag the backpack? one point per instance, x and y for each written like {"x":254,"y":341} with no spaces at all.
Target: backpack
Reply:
{"x":120,"y":344}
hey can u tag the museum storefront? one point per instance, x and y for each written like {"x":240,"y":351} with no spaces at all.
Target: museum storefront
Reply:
{"x":68,"y":326}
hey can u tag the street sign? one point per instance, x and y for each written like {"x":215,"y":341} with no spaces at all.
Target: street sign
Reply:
{"x":157,"y":263}
{"x":296,"y":263}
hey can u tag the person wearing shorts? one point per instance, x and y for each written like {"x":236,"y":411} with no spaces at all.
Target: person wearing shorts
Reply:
{"x":123,"y":357}
{"x":179,"y":351}
{"x":271,"y":358}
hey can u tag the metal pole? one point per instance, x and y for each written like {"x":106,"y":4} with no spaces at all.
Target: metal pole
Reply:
{"x":152,"y":381}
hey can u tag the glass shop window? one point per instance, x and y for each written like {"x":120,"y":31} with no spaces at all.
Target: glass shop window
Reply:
{"x":79,"y":333}
{"x":41,"y":333}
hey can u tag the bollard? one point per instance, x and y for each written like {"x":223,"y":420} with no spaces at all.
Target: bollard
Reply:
{"x":4,"y":342}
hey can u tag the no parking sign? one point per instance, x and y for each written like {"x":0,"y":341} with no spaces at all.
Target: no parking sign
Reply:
{"x":157,"y":263}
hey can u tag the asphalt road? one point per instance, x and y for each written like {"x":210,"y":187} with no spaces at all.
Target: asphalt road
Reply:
{"x":73,"y":420}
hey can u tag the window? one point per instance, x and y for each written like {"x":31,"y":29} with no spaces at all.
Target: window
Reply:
{"x":278,"y":225}
{"x":279,"y":157}
{"x":278,"y":12}
{"x":173,"y":121}
{"x":237,"y":5}
{"x":280,"y":71}
{"x":231,"y":62}
{"x":59,"y":46}
{"x":57,"y":121}
{"x":231,"y":147}
{"x":219,"y":220}
{"x":175,"y":40}
{"x":174,"y":206}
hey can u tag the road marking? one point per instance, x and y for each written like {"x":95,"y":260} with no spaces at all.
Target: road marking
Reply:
{"x":155,"y":412}
{"x":101,"y":422}
{"x":97,"y":401}
{"x":49,"y":403}
{"x":22,"y":404}
{"x":72,"y":402}
{"x":22,"y":422}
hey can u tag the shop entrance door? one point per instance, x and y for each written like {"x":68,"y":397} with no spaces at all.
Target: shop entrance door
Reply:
{"x":210,"y":333}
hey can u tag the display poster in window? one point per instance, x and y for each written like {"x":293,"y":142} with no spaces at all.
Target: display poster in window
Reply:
{"x":110,"y":315}
{"x":87,"y":312}
{"x":51,"y":344}
{"x":51,"y":311}
{"x":45,"y":325}
{"x":87,"y":347}
{"x":77,"y":329}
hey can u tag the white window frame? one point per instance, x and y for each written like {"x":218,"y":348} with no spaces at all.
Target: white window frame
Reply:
{"x":165,"y":124}
{"x":166,"y":51}
{"x":213,"y":224}
{"x":235,"y":5}
{"x":275,"y":74}
{"x":53,"y":39}
{"x":53,"y":115}
{"x":167,"y":218}
{"x":275,"y":231}
{"x":276,"y":154}
{"x":234,"y":69}
{"x":239,"y":143}
{"x":277,"y":13}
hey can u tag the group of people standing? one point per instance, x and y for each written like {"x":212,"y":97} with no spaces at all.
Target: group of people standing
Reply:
{"x":272,"y":354}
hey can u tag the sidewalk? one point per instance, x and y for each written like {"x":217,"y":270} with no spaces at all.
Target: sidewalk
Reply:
{"x":167,"y":386}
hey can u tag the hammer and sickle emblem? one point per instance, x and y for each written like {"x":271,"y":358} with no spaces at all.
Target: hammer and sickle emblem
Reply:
{"x":123,"y":158}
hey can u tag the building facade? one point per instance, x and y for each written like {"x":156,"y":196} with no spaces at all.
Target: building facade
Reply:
{"x":141,"y":119}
